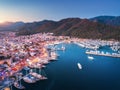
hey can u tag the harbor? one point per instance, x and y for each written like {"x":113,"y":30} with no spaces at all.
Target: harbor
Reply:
{"x":94,"y":46}
{"x":77,"y":71}
{"x":24,"y":52}
{"x":59,"y":45}
{"x":116,"y":55}
{"x":24,"y":59}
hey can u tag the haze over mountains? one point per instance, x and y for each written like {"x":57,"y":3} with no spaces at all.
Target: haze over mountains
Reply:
{"x":101,"y":27}
{"x":11,"y":25}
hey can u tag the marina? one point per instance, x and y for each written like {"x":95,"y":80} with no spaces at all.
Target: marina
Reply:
{"x":25,"y":53}
{"x":59,"y":45}
{"x":116,"y":55}
{"x":31,"y":55}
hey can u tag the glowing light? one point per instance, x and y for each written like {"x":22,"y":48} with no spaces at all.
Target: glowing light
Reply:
{"x":1,"y":21}
{"x":30,"y":63}
{"x":7,"y":88}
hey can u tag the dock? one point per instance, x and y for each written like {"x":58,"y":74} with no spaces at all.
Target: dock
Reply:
{"x":116,"y":55}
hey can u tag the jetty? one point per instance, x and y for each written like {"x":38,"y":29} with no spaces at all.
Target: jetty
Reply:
{"x":116,"y":55}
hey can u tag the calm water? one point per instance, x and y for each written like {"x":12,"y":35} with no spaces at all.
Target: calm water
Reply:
{"x":103,"y":73}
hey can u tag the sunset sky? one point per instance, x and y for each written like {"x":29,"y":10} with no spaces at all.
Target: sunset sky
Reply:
{"x":37,"y":10}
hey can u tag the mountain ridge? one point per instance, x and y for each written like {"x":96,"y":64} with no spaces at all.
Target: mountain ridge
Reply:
{"x":74,"y":27}
{"x":11,"y":26}
{"x":109,"y":20}
{"x":101,"y":27}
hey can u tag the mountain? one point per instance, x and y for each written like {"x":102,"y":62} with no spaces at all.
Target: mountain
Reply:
{"x":11,"y":25}
{"x":74,"y":27}
{"x":36,"y":27}
{"x":109,"y":20}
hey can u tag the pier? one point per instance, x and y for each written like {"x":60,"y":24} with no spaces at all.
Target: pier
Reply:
{"x":103,"y":54}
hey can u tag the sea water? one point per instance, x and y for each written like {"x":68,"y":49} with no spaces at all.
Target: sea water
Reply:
{"x":102,"y":73}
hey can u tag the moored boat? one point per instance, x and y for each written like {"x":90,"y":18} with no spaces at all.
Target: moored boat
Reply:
{"x":18,"y":86}
{"x":39,"y":76}
{"x":29,"y":79}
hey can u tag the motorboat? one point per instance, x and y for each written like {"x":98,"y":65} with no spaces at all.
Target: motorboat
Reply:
{"x":90,"y":57}
{"x":79,"y":65}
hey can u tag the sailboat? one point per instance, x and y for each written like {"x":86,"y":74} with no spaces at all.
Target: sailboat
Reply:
{"x":42,"y":75}
{"x":38,"y":75}
{"x":62,"y":48}
{"x":29,"y":78}
{"x":17,"y":83}
{"x":33,"y":72}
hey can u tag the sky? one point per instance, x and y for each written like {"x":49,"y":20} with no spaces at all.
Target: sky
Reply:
{"x":37,"y":10}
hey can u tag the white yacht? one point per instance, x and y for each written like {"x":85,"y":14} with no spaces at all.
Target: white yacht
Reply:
{"x":90,"y":57}
{"x":79,"y":65}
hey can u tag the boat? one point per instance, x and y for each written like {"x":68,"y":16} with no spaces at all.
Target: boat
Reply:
{"x":42,"y":75}
{"x":43,"y":62}
{"x":63,"y":48}
{"x":53,"y":56}
{"x":29,"y":79}
{"x":90,"y":57}
{"x":18,"y":85}
{"x":39,"y":76}
{"x":39,"y":65}
{"x":79,"y":65}
{"x":26,"y":68}
{"x":17,"y":82}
